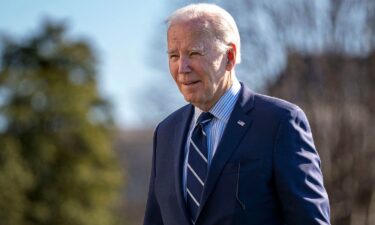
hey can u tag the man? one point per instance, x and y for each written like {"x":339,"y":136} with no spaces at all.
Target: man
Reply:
{"x":231,"y":156}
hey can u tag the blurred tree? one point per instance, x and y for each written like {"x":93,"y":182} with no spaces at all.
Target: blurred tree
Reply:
{"x":336,"y":92}
{"x":57,"y":165}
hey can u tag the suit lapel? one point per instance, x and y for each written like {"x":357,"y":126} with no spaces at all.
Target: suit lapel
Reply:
{"x":239,"y":122}
{"x":180,"y":134}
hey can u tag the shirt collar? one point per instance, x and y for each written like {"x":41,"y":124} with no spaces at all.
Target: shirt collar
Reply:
{"x":224,"y":106}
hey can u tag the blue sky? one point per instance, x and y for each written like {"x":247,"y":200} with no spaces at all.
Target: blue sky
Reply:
{"x":121,"y":31}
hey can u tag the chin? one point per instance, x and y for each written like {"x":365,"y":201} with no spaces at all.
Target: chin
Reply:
{"x":190,"y":99}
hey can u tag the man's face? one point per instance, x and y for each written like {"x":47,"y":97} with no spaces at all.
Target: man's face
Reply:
{"x":198,"y":68}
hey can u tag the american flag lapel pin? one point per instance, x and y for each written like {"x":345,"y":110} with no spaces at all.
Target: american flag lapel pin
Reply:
{"x":241,"y":123}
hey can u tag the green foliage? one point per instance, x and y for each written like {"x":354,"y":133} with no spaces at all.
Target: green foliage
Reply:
{"x":57,"y":165}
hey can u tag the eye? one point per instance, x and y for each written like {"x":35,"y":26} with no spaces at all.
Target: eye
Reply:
{"x":194,"y":53}
{"x":173,"y":56}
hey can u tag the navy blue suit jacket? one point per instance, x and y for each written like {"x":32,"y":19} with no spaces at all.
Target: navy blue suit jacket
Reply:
{"x":264,"y":172}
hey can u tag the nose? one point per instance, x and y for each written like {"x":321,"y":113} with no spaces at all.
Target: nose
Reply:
{"x":184,"y":65}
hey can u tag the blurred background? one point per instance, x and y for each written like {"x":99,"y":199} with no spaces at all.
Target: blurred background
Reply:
{"x":77,"y":76}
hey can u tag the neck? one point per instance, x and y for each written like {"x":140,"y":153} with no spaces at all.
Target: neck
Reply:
{"x":223,"y":87}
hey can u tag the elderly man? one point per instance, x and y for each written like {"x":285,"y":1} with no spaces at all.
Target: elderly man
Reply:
{"x":231,"y":156}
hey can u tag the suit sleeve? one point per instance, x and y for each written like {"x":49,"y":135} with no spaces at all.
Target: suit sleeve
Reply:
{"x":298,"y":176}
{"x":153,"y":214}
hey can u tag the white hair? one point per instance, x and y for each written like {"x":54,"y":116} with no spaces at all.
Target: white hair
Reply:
{"x":215,"y":20}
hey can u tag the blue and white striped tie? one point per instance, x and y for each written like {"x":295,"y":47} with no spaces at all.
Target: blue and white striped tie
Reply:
{"x":197,"y":166}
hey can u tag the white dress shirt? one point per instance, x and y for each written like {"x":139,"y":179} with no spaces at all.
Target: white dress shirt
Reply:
{"x":215,"y":129}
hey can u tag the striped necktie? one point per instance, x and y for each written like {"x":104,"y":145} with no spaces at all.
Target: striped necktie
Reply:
{"x":197,"y":166}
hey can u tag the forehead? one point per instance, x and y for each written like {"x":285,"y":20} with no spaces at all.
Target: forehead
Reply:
{"x":189,"y":34}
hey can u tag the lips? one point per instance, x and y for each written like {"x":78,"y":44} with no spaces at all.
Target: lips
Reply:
{"x":190,"y":83}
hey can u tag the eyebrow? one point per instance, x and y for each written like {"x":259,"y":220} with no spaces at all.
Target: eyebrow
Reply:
{"x":201,"y":49}
{"x":170,"y":51}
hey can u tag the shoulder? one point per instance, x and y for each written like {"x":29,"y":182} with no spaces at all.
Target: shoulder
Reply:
{"x":280,"y":113}
{"x":277,"y":105}
{"x":276,"y":109}
{"x":264,"y":105}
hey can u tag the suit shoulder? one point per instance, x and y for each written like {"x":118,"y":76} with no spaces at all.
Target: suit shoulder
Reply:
{"x":276,"y":106}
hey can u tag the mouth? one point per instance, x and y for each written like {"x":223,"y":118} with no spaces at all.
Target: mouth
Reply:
{"x":190,"y":83}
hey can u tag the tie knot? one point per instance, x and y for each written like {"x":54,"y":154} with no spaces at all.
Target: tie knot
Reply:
{"x":204,"y":118}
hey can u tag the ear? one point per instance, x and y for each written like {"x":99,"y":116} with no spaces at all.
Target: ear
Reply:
{"x":231,"y":56}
